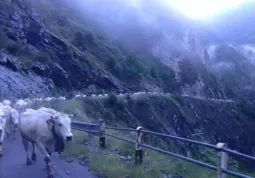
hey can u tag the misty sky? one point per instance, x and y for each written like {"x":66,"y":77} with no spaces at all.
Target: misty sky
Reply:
{"x":201,"y":9}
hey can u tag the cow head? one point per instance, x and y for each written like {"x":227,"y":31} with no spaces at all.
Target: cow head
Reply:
{"x":15,"y":117}
{"x":62,"y":125}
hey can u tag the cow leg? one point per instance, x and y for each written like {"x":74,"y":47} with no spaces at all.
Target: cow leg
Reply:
{"x":14,"y":133}
{"x":1,"y":149}
{"x":49,"y":167}
{"x":25,"y":143}
{"x":43,"y":150}
{"x":1,"y":142}
{"x":33,"y":153}
{"x":7,"y":134}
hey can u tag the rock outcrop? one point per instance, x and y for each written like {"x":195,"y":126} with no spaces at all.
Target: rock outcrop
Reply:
{"x":65,"y":68}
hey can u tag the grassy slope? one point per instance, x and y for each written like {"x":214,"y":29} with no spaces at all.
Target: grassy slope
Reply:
{"x":129,"y":68}
{"x":108,"y":164}
{"x":130,"y":111}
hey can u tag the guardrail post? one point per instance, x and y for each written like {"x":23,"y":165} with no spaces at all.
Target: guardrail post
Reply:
{"x":138,"y":149}
{"x":91,"y":139}
{"x":102,"y":134}
{"x":222,"y":161}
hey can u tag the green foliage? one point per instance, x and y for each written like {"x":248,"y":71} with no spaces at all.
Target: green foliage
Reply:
{"x":130,"y":100}
{"x":24,"y":53}
{"x":16,"y":49}
{"x":178,"y":98}
{"x":246,"y":107}
{"x":42,"y":57}
{"x":127,"y":67}
{"x":140,"y":103}
{"x":188,"y":73}
{"x":125,"y":148}
{"x":154,"y":73}
{"x":76,"y":147}
{"x":112,"y":99}
{"x":3,"y":38}
{"x":70,"y":53}
{"x":133,"y":66}
{"x":228,"y":54}
{"x":110,"y":165}
{"x":153,"y":113}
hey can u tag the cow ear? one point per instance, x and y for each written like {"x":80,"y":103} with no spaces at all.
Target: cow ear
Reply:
{"x":51,"y":121}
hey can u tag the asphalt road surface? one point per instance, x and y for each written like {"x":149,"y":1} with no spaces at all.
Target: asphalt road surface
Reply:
{"x":12,"y":164}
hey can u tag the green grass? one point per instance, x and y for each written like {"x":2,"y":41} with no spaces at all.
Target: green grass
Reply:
{"x":76,"y":147}
{"x":107,"y":163}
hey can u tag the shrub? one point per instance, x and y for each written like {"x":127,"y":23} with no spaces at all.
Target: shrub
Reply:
{"x":188,"y":72}
{"x":14,"y":49}
{"x":42,"y":57}
{"x":112,"y":99}
{"x":130,"y":100}
{"x":121,"y":104}
{"x":179,"y":99}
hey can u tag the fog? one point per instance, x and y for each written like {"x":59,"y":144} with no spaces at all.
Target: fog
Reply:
{"x":138,"y":25}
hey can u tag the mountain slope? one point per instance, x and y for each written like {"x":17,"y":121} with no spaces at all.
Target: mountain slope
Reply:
{"x":234,"y":25}
{"x":55,"y":47}
{"x":163,"y":37}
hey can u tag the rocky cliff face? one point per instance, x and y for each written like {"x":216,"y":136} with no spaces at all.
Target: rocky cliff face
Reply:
{"x":51,"y":47}
{"x":64,"y":45}
{"x":163,"y":34}
{"x":18,"y":81}
{"x":61,"y":67}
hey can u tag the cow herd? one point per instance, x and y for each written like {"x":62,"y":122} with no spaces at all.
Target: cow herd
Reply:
{"x":45,"y":129}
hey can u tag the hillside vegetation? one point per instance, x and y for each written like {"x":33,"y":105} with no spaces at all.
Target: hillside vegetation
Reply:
{"x":176,"y":115}
{"x":130,"y":68}
{"x":55,"y":47}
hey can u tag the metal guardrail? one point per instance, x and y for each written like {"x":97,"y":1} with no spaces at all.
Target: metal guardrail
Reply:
{"x":208,"y":145}
{"x":182,"y":139}
{"x":89,"y":127}
{"x":236,"y":153}
{"x":121,"y":129}
{"x":221,"y":168}
{"x":165,"y":152}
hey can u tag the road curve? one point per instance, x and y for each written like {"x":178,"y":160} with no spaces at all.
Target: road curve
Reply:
{"x":12,"y":164}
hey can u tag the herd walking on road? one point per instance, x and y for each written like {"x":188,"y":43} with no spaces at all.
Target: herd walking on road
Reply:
{"x":45,"y":129}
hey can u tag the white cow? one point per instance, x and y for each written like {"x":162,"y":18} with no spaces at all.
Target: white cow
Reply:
{"x":2,"y":130}
{"x":77,"y":96}
{"x":48,"y":99}
{"x":21,"y":104}
{"x":12,"y":120}
{"x":12,"y":125}
{"x":62,"y":98}
{"x":47,"y":129}
{"x":7,"y":102}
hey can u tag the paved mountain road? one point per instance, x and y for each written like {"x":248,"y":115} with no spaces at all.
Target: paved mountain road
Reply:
{"x":12,"y":164}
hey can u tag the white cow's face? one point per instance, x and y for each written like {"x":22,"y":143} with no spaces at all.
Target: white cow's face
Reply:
{"x":15,"y":117}
{"x":62,"y":124}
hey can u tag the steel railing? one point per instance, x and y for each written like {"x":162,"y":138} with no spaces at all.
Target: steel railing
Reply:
{"x":95,"y":128}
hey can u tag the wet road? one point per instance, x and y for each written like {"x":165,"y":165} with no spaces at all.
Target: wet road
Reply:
{"x":12,"y":164}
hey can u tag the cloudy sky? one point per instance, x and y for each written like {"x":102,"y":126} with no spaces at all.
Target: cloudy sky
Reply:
{"x":202,"y":9}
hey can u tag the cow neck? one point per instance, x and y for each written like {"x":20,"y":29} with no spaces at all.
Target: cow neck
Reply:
{"x":54,"y":133}
{"x":58,"y":141}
